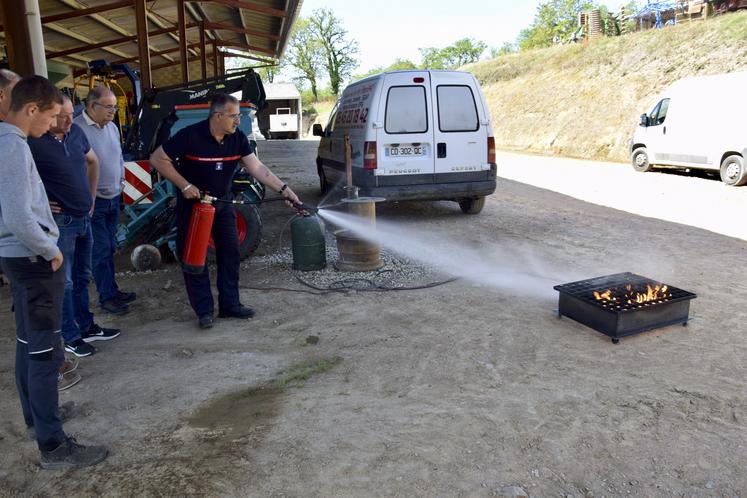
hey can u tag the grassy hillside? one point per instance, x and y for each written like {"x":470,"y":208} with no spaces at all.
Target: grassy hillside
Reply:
{"x":583,"y":100}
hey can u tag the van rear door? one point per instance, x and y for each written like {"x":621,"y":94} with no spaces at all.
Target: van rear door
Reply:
{"x":404,"y":138}
{"x":460,"y":125}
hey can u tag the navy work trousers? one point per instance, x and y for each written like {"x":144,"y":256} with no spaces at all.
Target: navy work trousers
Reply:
{"x":226,"y":238}
{"x":104,"y":224}
{"x":75,"y":243}
{"x":37,"y":299}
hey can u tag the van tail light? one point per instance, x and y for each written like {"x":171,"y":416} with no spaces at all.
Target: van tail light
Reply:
{"x":491,"y":150}
{"x":369,"y":155}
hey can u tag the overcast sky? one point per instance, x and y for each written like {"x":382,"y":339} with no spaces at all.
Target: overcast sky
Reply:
{"x":388,"y":29}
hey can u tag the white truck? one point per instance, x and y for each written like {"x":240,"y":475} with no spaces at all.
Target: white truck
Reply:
{"x":415,"y":135}
{"x":697,"y":123}
{"x":283,"y":123}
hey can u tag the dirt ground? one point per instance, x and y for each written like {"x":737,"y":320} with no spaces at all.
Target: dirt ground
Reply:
{"x":456,"y":390}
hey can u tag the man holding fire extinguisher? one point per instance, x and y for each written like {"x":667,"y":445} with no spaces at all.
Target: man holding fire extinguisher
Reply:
{"x":201,"y":158}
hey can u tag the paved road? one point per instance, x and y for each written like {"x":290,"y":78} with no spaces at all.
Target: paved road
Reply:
{"x":695,"y":201}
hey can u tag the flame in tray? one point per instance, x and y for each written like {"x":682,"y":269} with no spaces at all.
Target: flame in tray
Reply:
{"x":633,"y":296}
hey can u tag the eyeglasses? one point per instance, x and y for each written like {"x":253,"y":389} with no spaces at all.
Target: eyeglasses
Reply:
{"x":107,"y":107}
{"x":233,"y":117}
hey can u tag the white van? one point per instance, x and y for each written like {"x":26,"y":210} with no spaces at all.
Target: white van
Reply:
{"x":415,"y":135}
{"x":697,"y":123}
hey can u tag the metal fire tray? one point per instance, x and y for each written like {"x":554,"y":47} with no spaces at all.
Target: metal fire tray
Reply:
{"x":619,"y":319}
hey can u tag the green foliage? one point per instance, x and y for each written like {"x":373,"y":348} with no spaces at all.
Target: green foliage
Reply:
{"x":630,"y":8}
{"x":505,"y":49}
{"x":305,"y":55}
{"x":322,"y":95}
{"x":397,"y":65}
{"x":464,"y":51}
{"x":339,"y":52}
{"x":267,"y":73}
{"x":554,"y":21}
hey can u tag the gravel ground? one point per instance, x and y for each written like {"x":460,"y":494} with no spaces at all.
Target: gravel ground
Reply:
{"x":465,"y":389}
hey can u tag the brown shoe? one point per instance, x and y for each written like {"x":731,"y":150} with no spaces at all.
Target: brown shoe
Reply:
{"x":67,"y":381}
{"x":69,"y":365}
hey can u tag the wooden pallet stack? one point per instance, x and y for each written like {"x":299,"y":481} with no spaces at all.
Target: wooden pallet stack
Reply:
{"x":596,"y":27}
{"x":592,"y":23}
{"x":693,"y":10}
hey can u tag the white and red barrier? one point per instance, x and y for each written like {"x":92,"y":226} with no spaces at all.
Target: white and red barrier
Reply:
{"x":138,"y":182}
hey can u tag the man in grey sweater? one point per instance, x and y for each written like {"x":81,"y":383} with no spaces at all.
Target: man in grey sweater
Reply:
{"x":29,"y":257}
{"x":103,"y":135}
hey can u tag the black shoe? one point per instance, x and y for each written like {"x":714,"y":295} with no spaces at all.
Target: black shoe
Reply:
{"x":71,"y":455}
{"x":206,"y":321}
{"x":125,"y":297}
{"x":239,"y":311}
{"x":80,"y":348}
{"x":114,"y":306}
{"x":96,"y":333}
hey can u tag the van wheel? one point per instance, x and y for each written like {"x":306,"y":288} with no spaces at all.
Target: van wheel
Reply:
{"x":323,"y":183}
{"x":639,"y":158}
{"x":733,"y":171}
{"x":473,"y":205}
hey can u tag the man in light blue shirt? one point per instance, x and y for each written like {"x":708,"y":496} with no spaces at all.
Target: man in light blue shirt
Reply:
{"x":96,"y":121}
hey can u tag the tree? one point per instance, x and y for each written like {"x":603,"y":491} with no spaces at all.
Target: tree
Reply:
{"x":397,"y":65}
{"x":464,"y":51}
{"x":305,"y":55}
{"x":339,"y":52}
{"x":267,"y":73}
{"x":554,"y":20}
{"x":506,"y":48}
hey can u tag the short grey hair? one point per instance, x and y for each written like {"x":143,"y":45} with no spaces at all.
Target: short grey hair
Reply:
{"x":97,"y":93}
{"x":219,"y":100}
{"x":7,"y":77}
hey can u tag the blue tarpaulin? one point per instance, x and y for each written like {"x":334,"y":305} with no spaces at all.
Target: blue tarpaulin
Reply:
{"x":655,"y":9}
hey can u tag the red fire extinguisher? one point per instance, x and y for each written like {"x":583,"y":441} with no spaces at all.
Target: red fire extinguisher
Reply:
{"x":198,"y":236}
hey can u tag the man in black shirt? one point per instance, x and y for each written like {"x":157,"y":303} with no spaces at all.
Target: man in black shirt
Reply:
{"x":70,"y":172}
{"x":202,"y":158}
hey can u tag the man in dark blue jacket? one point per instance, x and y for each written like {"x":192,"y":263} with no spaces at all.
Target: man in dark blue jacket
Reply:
{"x":69,"y":169}
{"x":202,"y":158}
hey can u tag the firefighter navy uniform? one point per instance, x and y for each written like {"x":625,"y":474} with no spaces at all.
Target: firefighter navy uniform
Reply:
{"x":209,"y":166}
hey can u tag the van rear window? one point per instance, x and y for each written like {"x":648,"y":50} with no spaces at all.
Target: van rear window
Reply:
{"x":405,"y":110}
{"x":457,"y":110}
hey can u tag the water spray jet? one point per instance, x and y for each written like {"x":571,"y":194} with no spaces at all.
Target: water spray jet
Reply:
{"x":354,"y":252}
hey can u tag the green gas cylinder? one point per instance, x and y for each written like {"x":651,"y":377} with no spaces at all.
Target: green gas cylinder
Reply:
{"x":308,"y":243}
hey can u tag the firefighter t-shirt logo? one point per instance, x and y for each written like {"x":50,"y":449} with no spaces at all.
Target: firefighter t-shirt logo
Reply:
{"x":219,"y":166}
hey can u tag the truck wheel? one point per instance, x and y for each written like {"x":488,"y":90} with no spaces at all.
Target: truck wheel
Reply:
{"x":639,"y":158}
{"x":323,"y":183}
{"x":733,"y":171}
{"x":473,"y":205}
{"x":249,"y":227}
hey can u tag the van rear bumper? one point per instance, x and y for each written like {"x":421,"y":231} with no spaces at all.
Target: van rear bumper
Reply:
{"x":430,"y":192}
{"x":429,"y":187}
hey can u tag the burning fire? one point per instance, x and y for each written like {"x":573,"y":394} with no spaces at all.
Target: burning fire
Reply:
{"x":656,"y":293}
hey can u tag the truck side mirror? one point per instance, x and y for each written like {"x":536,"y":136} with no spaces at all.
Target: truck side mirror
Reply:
{"x":317,"y":130}
{"x":644,"y":120}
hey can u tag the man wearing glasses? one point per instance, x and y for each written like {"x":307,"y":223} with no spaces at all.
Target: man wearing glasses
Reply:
{"x":70,"y":171}
{"x":202,"y":158}
{"x":96,"y":121}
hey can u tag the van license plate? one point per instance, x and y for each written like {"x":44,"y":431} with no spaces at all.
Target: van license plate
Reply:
{"x":405,"y":150}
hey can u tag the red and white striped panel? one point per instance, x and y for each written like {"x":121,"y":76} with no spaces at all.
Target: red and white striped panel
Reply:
{"x":137,"y":182}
